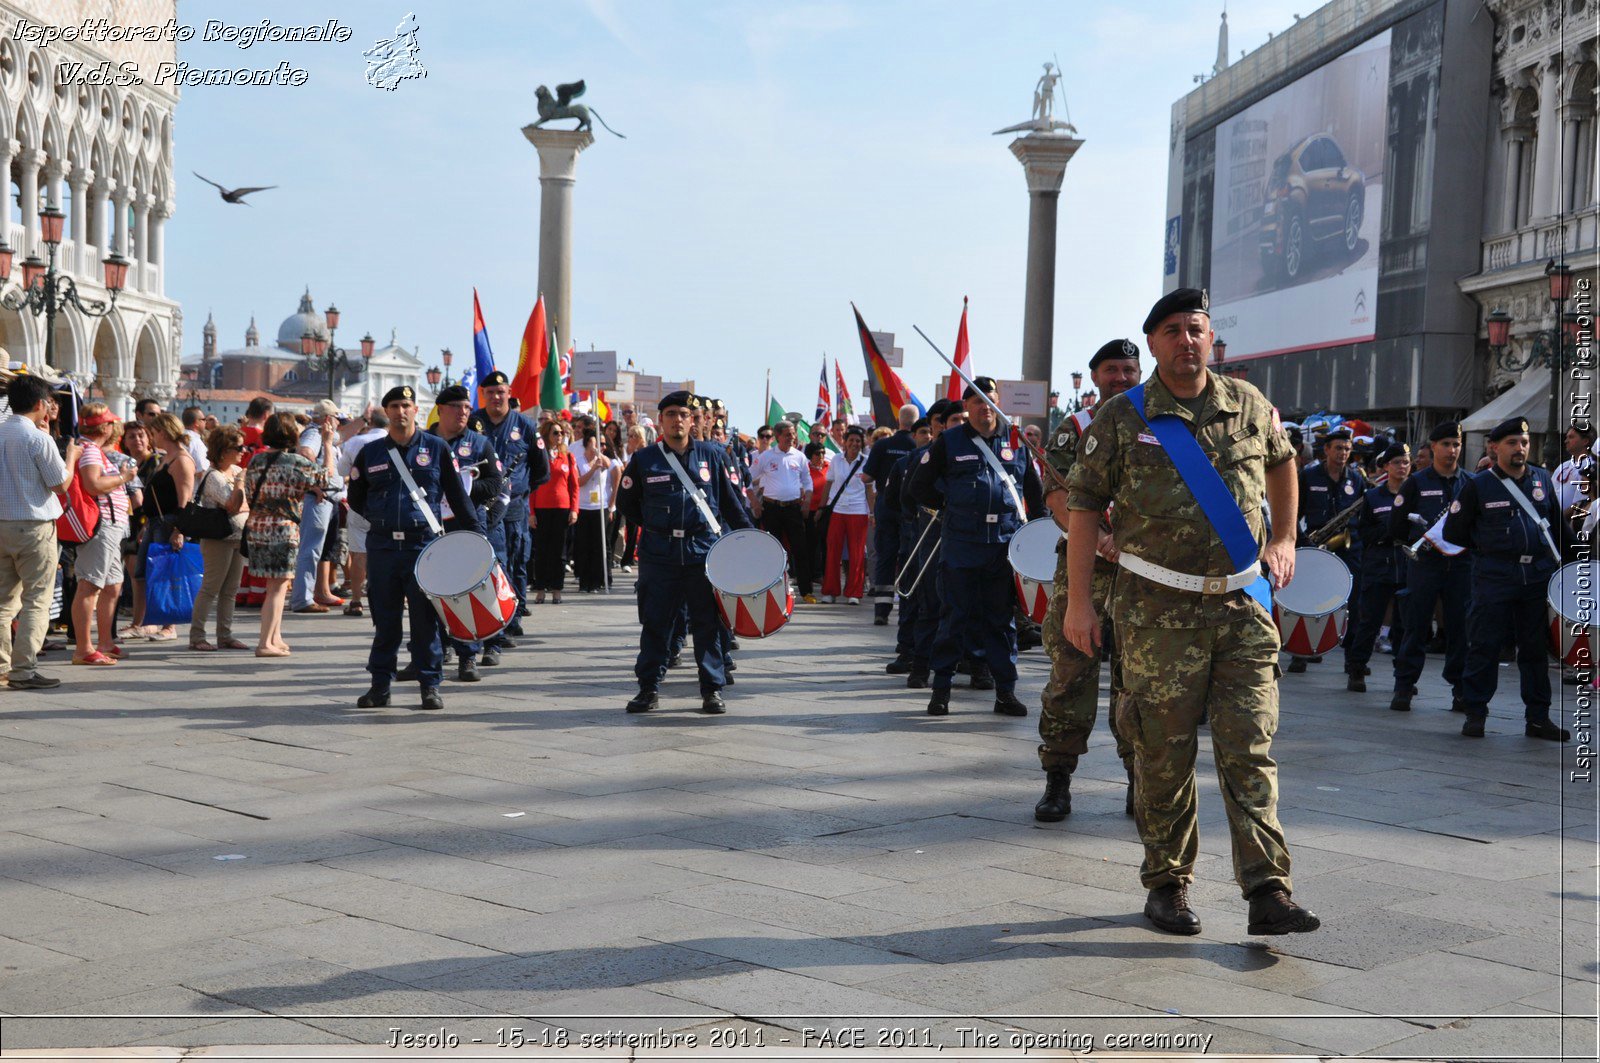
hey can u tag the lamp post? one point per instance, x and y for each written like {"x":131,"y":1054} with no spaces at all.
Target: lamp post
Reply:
{"x":433,"y":375}
{"x":323,"y":356}
{"x":45,"y":291}
{"x":1550,"y":348}
{"x":448,"y":358}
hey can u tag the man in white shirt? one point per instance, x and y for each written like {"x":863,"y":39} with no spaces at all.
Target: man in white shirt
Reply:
{"x":194,"y":438}
{"x":780,"y":495}
{"x":356,"y":526}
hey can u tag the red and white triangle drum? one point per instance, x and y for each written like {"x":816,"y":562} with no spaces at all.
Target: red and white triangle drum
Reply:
{"x":1032,"y":553}
{"x":1311,"y":611}
{"x":469,"y":590}
{"x":1571,"y":609}
{"x":749,"y":575}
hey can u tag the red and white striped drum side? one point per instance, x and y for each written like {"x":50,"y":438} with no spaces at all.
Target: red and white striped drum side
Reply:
{"x":1570,"y":605}
{"x":469,"y":590}
{"x":1311,"y":611}
{"x":749,"y":575}
{"x":1032,"y":553}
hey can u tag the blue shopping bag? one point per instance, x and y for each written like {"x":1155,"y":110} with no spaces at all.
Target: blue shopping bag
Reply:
{"x":171,"y":583}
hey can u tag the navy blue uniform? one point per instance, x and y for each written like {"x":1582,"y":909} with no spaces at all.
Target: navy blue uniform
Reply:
{"x":674,"y":539}
{"x":479,"y":466}
{"x":1511,"y":569}
{"x":1383,"y":568}
{"x":885,"y":520}
{"x":1422,"y":500}
{"x":1321,"y":499}
{"x":398,"y":533}
{"x":527,"y":465}
{"x":980,"y":516}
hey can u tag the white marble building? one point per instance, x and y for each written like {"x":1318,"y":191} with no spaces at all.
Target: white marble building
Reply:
{"x":103,"y":155}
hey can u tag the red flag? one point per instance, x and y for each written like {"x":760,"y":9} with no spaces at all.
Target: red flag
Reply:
{"x":955,"y":386}
{"x":844,"y":411}
{"x":532,"y":359}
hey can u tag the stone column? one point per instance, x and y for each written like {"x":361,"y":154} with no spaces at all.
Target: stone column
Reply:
{"x":119,"y":395}
{"x":141,"y":242}
{"x":1547,"y":147}
{"x":558,"y":166}
{"x":1514,"y":145}
{"x":29,"y":162}
{"x":1044,"y":158}
{"x":119,"y":223}
{"x":76,"y":232}
{"x":158,"y":254}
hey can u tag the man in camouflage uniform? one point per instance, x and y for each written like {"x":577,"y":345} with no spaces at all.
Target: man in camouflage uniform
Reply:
{"x":1194,"y":639}
{"x":1072,"y":695}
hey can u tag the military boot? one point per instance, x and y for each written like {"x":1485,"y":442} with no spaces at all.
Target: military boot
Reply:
{"x":939,"y":703}
{"x":1056,"y":804}
{"x":1272,"y":911}
{"x":1355,"y":684}
{"x":901,"y":665}
{"x":1547,"y":730}
{"x":918,"y":679}
{"x":432,"y":700}
{"x":644,"y":701}
{"x":1168,"y":908}
{"x":982,"y":678}
{"x":1006,"y":703}
{"x":1296,"y":665}
{"x":467,"y":671}
{"x":1401,"y":702}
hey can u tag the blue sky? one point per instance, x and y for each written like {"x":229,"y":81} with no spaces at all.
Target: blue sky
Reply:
{"x":781,"y":160}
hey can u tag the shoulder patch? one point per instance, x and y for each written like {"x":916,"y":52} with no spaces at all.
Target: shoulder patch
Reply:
{"x":924,"y":460}
{"x":1455,"y":507}
{"x":627,"y":481}
{"x":1061,"y":439}
{"x":1090,"y":443}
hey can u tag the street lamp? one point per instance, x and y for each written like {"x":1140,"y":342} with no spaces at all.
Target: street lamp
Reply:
{"x":322,"y":355}
{"x":1219,"y":351}
{"x":44,"y":291}
{"x":448,"y":358}
{"x":433,"y":375}
{"x":1550,"y":348}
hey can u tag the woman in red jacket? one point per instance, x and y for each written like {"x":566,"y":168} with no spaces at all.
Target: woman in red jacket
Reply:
{"x":551,"y":508}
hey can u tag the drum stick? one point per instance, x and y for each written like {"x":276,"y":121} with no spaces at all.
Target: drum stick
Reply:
{"x":1005,"y":422}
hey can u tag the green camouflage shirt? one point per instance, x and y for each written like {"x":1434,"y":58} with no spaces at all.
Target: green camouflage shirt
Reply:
{"x":1118,"y":461}
{"x":1061,"y":452}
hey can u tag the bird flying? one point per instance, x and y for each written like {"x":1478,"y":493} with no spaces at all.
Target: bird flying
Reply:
{"x":233,"y":195}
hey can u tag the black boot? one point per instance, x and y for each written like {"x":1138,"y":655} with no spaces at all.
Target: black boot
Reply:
{"x":1056,"y":804}
{"x":1546,"y":729}
{"x":431,"y":699}
{"x":1401,"y":702}
{"x":711,"y":703}
{"x":374,"y":699}
{"x":1168,"y":908}
{"x":467,"y":671}
{"x":644,"y":701}
{"x":901,"y":665}
{"x":491,"y":656}
{"x":939,"y":703}
{"x":1473,"y":728}
{"x":408,"y":674}
{"x":1355,"y":684}
{"x":982,"y":678}
{"x":675,"y":661}
{"x":1296,"y":665}
{"x":1008,"y":704}
{"x":1272,"y":911}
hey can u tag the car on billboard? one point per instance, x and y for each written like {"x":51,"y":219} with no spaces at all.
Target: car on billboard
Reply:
{"x":1314,"y":198}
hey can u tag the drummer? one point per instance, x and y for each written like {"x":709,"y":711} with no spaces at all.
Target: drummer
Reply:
{"x":1068,"y":703}
{"x":1383,"y":567}
{"x":399,"y":530}
{"x":1327,"y":488}
{"x":527,"y":465}
{"x":480,"y":470}
{"x":985,"y":488}
{"x":680,"y":497}
{"x":1498,"y":515}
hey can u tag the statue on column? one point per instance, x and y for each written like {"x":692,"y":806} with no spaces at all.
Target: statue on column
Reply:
{"x":555,"y":108}
{"x":1043,"y":118}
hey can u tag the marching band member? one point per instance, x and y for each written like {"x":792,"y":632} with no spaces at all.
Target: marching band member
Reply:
{"x":681,"y":496}
{"x":1383,"y":567}
{"x":399,"y":530}
{"x":985,"y":488}
{"x":897,"y":485}
{"x":1326,"y":489}
{"x":1430,"y":574}
{"x":480,"y":469}
{"x":1069,"y":701}
{"x":1511,"y":521}
{"x":885,"y":518}
{"x":526,"y":465}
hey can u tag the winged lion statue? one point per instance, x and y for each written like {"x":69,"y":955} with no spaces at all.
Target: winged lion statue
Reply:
{"x":554,"y":108}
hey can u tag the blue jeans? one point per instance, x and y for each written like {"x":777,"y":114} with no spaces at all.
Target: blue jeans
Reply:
{"x":314,"y":517}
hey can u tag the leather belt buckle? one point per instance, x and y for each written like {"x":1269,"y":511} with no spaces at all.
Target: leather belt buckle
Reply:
{"x":398,"y":535}
{"x":992,"y":518}
{"x":677,"y":533}
{"x":1215,"y":585}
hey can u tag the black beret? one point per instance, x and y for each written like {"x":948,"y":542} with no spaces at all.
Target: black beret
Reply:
{"x":453,"y":393}
{"x":1295,"y":437}
{"x":494,"y":378}
{"x":855,"y":430}
{"x":1393,"y":451}
{"x":1115,"y":349}
{"x":984,"y":384}
{"x":399,"y":394}
{"x":677,"y":398}
{"x":1177,"y":301}
{"x":938,"y":408}
{"x":1339,"y":433}
{"x":922,"y":422}
{"x":1447,"y":430}
{"x":1511,"y":426}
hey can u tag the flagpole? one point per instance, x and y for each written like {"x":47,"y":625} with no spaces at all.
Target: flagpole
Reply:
{"x":766,"y":407}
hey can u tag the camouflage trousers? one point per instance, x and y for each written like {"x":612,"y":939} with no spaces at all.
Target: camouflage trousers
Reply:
{"x":1071,"y":697}
{"x":1170,"y":676}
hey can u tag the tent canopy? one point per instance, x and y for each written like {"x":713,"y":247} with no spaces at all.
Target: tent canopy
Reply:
{"x":1528,"y":398}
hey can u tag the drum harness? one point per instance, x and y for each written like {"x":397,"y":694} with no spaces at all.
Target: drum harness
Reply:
{"x":417,"y":494}
{"x":694,"y":493}
{"x":1533,"y":515}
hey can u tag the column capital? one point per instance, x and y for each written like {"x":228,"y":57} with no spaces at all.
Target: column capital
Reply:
{"x":117,"y":387}
{"x":31,"y":157}
{"x":9,"y":146}
{"x":79,"y":178}
{"x":558,"y":151}
{"x":141,"y":201}
{"x":1044,"y":158}
{"x":106,"y":186}
{"x":161,"y":392}
{"x":57,"y":168}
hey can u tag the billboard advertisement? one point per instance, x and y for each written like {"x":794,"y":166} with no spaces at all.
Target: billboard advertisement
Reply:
{"x":1296,"y":210}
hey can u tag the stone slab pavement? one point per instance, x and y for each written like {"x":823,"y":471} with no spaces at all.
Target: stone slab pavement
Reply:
{"x":211,"y":849}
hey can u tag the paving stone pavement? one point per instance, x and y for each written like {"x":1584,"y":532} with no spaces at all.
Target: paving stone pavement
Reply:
{"x":214,"y":849}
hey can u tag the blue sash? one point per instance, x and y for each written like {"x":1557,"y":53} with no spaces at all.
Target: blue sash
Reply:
{"x":1205,"y":483}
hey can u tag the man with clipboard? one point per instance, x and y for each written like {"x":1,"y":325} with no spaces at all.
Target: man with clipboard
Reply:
{"x":1186,"y":458}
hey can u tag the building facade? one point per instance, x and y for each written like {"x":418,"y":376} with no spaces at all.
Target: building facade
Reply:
{"x":1361,"y":191}
{"x":103,"y":156}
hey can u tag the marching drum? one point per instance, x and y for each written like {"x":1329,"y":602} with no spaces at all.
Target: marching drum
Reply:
{"x":466,"y":585}
{"x":1310,"y":612}
{"x":1032,"y":554}
{"x":749,"y":573}
{"x":1571,"y":606}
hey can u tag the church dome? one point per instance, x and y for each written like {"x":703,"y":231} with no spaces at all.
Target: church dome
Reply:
{"x":306,"y":319}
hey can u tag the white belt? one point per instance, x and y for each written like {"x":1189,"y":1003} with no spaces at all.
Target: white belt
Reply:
{"x":1183,"y":581}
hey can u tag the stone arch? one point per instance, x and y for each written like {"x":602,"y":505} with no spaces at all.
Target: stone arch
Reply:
{"x":109,"y":351}
{"x":17,"y":336}
{"x":27,"y":127}
{"x":71,"y":354}
{"x":150,"y":355}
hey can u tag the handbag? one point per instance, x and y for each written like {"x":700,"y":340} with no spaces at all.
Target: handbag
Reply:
{"x":171,"y":583}
{"x":244,"y":536}
{"x":203,"y":522}
{"x":80,"y":513}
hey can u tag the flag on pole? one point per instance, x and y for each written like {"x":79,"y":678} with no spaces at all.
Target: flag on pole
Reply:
{"x":774,"y":411}
{"x":566,"y":375}
{"x":844,"y":411}
{"x":963,"y":359}
{"x":552,"y":396}
{"x":532,"y":357}
{"x":889,"y":392}
{"x":824,"y":414}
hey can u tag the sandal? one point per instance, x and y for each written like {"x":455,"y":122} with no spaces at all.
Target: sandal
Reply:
{"x":203,"y":646}
{"x":354,"y":609}
{"x":115,"y":651}
{"x":94,"y":658}
{"x":232,"y":644}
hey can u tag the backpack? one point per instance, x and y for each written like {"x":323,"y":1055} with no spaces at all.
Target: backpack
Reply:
{"x":80,"y":513}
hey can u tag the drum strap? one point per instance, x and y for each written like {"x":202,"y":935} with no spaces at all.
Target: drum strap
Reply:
{"x":1205,"y":483}
{"x":417,"y":494}
{"x":1533,"y":515}
{"x":694,"y":492}
{"x":1000,"y":471}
